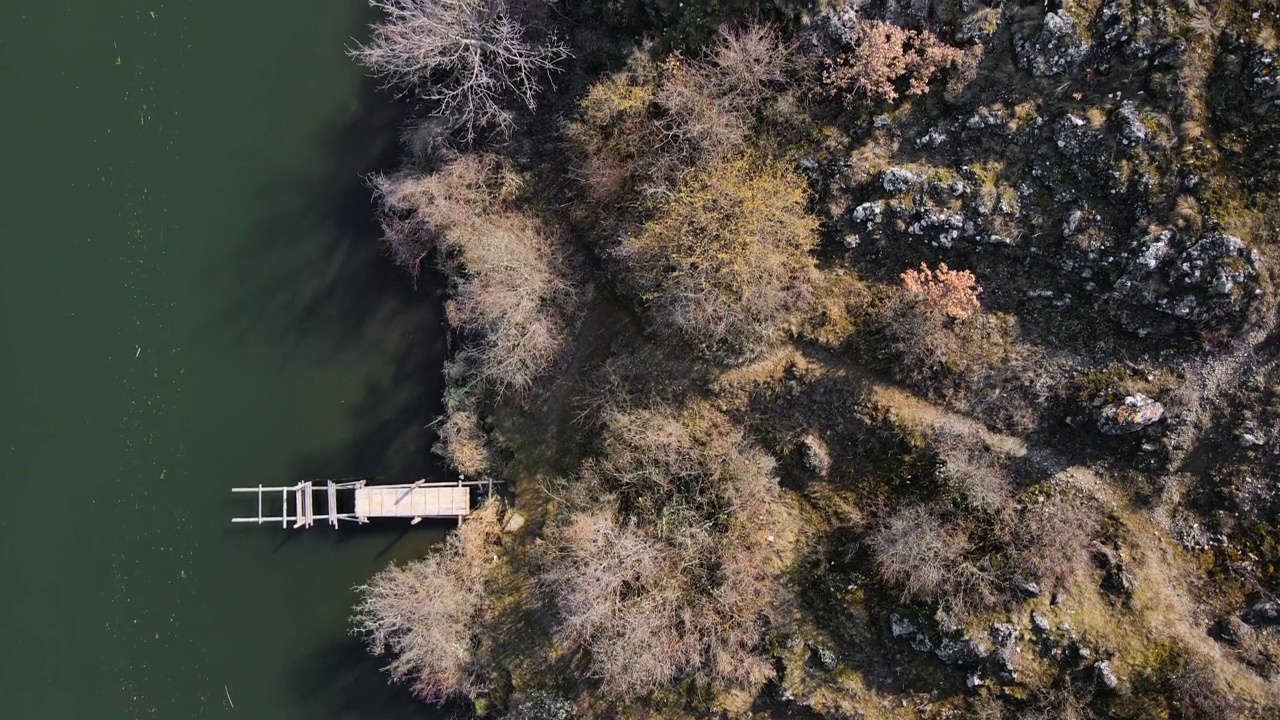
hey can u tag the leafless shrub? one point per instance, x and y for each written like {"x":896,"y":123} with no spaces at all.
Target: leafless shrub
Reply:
{"x":711,"y":102}
{"x":614,"y":136}
{"x":918,"y":551}
{"x":427,"y":613}
{"x":639,"y":129}
{"x":1050,"y":540}
{"x":513,"y":288}
{"x":462,"y":442}
{"x":886,"y":57}
{"x":1199,"y":691}
{"x":662,"y":569}
{"x":726,"y":260}
{"x":467,"y":56}
{"x":1260,"y":648}
{"x":974,"y":475}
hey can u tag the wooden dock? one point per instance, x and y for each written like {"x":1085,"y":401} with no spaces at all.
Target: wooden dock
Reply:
{"x":296,"y":504}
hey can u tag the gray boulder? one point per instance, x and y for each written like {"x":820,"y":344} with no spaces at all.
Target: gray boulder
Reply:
{"x":1105,"y":675}
{"x":900,"y":626}
{"x":816,"y":455}
{"x":1056,"y":49}
{"x":1263,"y":612}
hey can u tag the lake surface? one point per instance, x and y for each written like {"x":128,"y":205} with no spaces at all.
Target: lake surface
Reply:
{"x":192,"y":298}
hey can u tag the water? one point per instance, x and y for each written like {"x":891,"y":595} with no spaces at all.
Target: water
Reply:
{"x":191,"y":298}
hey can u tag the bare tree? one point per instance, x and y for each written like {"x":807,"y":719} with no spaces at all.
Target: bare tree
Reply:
{"x":513,"y":274}
{"x":726,"y":259}
{"x":469,"y":57}
{"x":428,"y":613}
{"x":663,"y":568}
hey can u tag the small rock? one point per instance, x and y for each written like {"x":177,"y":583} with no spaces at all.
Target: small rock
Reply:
{"x":1039,"y":621}
{"x":1072,"y":223}
{"x":897,"y":179}
{"x":815,"y":454}
{"x":1231,"y":629}
{"x":1248,"y":440}
{"x":1117,"y":580}
{"x":974,"y":680}
{"x":900,"y":626}
{"x":826,"y":656}
{"x":1105,"y":675}
{"x":1028,"y":589}
{"x":921,"y":643}
{"x":514,"y":523}
{"x":1136,"y":412}
{"x":1004,"y":636}
{"x":1076,"y":653}
{"x":1263,"y":612}
{"x":961,"y":652}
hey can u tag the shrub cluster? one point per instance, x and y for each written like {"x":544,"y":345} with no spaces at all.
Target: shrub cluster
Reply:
{"x":967,"y":542}
{"x":726,"y":260}
{"x":428,"y":614}
{"x":513,"y":275}
{"x":662,"y":568}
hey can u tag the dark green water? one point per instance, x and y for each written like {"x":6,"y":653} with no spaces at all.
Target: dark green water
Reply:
{"x":191,"y":298}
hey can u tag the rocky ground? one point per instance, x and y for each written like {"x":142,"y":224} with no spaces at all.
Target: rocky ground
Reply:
{"x":1079,"y":482}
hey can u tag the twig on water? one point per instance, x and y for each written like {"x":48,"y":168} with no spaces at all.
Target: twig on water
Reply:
{"x":228,"y":692}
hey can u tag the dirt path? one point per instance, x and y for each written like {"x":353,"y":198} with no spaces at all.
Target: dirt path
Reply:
{"x":1165,"y":605}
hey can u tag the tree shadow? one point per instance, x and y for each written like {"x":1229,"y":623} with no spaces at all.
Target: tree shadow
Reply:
{"x":348,"y":683}
{"x":321,"y":292}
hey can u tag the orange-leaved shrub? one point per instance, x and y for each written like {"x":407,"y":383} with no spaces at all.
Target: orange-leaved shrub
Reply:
{"x":886,"y":60}
{"x":954,"y":293}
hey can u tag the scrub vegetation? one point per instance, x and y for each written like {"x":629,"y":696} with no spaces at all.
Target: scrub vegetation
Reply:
{"x":869,"y":358}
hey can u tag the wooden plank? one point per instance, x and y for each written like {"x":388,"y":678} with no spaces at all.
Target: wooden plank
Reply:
{"x":259,"y":504}
{"x":333,"y":503}
{"x":311,"y":503}
{"x":297,"y":496}
{"x":284,"y":514}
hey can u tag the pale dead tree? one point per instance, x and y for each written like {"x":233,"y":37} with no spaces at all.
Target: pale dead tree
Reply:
{"x":513,"y":290}
{"x":468,"y":57}
{"x":428,"y":615}
{"x":663,"y":567}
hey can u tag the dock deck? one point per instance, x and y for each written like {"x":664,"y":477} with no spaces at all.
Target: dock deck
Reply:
{"x":410,"y":502}
{"x":415,"y":501}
